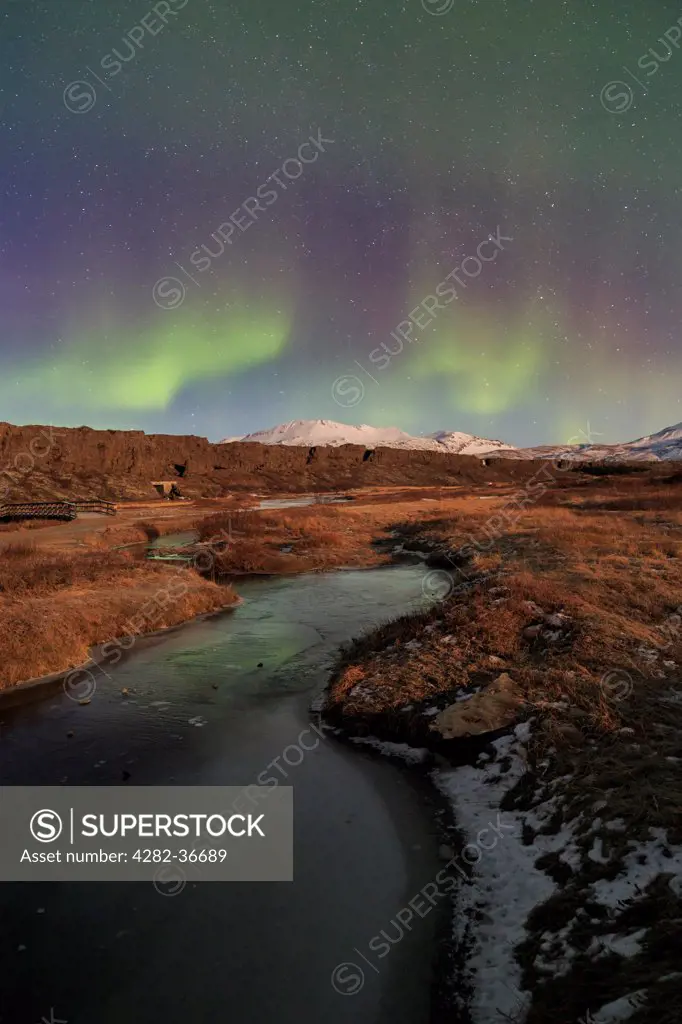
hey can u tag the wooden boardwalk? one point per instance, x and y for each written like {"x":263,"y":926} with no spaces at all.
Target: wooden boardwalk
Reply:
{"x":61,"y":510}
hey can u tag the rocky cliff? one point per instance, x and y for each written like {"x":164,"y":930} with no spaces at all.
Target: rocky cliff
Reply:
{"x":38,"y":462}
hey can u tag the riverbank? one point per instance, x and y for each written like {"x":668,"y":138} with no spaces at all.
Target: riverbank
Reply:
{"x":547,"y":684}
{"x":56,"y":605}
{"x":70,"y":587}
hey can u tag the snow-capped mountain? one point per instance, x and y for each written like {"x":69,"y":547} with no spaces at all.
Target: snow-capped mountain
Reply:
{"x":666,"y":444}
{"x":458,"y":443}
{"x":326,"y":432}
{"x":455,"y":443}
{"x":662,"y":446}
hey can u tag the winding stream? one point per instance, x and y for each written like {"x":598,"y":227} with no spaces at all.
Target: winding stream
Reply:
{"x":199,"y":711}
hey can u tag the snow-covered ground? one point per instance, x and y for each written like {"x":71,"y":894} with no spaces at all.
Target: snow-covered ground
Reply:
{"x":492,"y":918}
{"x":494,"y":907}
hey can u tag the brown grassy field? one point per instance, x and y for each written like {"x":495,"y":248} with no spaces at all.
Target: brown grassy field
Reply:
{"x":618,"y":581}
{"x":563,"y":549}
{"x":19,"y":528}
{"x":55,"y":605}
{"x":61,"y":595}
{"x":357,"y":533}
{"x":291,"y":540}
{"x":66,"y":588}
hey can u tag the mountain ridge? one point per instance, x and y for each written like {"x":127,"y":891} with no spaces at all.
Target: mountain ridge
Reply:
{"x":664,"y":445}
{"x":329,"y":432}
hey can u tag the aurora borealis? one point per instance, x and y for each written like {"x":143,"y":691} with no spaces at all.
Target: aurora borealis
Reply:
{"x":139,"y":138}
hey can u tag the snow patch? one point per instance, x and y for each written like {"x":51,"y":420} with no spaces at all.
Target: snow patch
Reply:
{"x":622,"y":945}
{"x":641,"y":866}
{"x":506,"y":885}
{"x":619,"y":1010}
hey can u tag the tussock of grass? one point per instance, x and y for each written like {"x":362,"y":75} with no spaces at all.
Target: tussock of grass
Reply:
{"x":295,"y":540}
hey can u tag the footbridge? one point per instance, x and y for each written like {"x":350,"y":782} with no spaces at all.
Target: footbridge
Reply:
{"x":61,"y":510}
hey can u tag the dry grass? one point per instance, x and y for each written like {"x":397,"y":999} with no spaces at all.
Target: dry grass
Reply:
{"x":618,"y":583}
{"x":605,"y":692}
{"x":291,"y":540}
{"x":56,"y":602}
{"x":31,"y":524}
{"x":139,"y":532}
{"x":26,"y":569}
{"x":55,"y":605}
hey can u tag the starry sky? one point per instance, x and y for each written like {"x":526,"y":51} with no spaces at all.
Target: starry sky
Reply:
{"x":430,"y":214}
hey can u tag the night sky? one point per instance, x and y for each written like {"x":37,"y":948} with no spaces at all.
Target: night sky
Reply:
{"x":139,"y":141}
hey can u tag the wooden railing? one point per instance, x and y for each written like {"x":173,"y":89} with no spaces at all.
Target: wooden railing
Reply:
{"x":63,"y":510}
{"x":38,"y":510}
{"x":106,"y":508}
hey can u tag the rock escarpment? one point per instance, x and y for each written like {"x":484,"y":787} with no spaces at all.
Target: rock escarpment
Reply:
{"x":41,"y":462}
